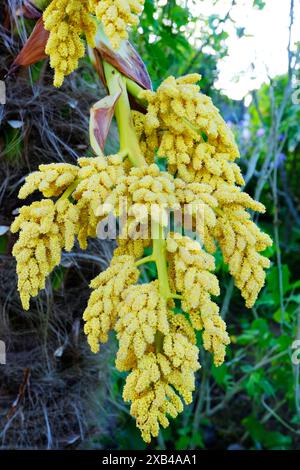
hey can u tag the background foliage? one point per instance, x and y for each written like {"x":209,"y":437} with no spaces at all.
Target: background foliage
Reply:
{"x":253,"y":400}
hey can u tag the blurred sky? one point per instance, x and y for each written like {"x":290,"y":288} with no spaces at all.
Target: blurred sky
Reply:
{"x":266,"y":48}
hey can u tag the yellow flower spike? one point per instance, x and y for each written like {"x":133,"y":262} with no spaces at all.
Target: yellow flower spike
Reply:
{"x":181,"y":325}
{"x":147,"y":144}
{"x":148,"y":192}
{"x":67,"y":217}
{"x":205,"y":157}
{"x":45,"y":229}
{"x":185,"y":116}
{"x":241,"y":241}
{"x":142,"y":314}
{"x":158,"y":379}
{"x":67,"y":20}
{"x":51,"y":180}
{"x":97,"y":177}
{"x":197,"y":200}
{"x":87,"y":222}
{"x":191,"y":267}
{"x":102,"y":309}
{"x":117,"y":16}
{"x":131,"y":247}
{"x":215,"y":336}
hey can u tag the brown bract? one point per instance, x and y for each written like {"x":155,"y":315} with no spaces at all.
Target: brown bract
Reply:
{"x":127,"y":61}
{"x":34,"y":49}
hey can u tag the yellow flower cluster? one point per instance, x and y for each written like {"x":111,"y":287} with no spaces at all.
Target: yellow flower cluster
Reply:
{"x":241,"y":242}
{"x":179,"y":120}
{"x":190,"y":267}
{"x":187,"y":129}
{"x":97,"y":178}
{"x":45,"y":229}
{"x":148,"y":151}
{"x":116,"y":16}
{"x":67,"y":20}
{"x":131,"y":246}
{"x":102,"y":309}
{"x":238,"y":236}
{"x":158,"y":375}
{"x":207,"y":160}
{"x":157,"y":346}
{"x":51,"y":180}
{"x":142,"y":314}
{"x":154,"y":343}
{"x":147,"y":191}
{"x":198,"y":201}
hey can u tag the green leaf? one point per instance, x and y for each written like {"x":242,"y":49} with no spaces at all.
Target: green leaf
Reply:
{"x":220,"y":374}
{"x":284,"y":342}
{"x":179,"y":15}
{"x":280,"y":316}
{"x":182,"y":443}
{"x":252,"y":383}
{"x":267,"y":387}
{"x":260,"y":325}
{"x":272,"y":440}
{"x":198,"y":441}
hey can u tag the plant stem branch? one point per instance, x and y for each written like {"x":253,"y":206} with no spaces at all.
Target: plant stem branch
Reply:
{"x":128,"y":139}
{"x":135,"y":90}
{"x":159,"y":254}
{"x":68,"y":192}
{"x":147,"y":259}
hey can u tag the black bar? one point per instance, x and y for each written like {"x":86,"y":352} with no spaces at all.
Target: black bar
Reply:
{"x":140,"y":459}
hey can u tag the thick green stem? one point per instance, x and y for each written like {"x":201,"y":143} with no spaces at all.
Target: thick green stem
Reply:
{"x":135,"y":90}
{"x":128,"y":139}
{"x":159,"y":254}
